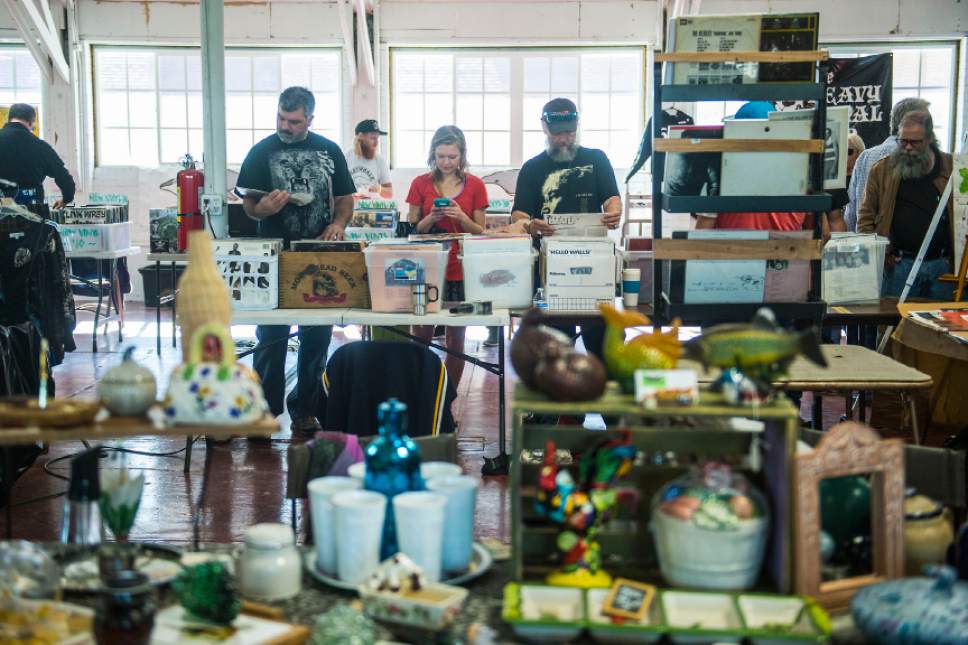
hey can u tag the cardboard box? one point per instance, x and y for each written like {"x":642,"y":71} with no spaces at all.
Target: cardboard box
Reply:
{"x":309,"y":280}
{"x":247,"y":246}
{"x":78,"y":238}
{"x":578,"y":273}
{"x":163,"y":225}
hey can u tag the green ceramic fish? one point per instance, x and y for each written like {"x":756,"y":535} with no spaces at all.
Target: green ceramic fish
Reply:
{"x":761,"y":348}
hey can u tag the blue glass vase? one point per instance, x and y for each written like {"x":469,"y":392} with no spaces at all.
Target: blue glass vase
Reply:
{"x":392,"y":466}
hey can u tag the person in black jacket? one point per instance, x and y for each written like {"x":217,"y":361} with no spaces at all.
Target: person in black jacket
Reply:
{"x":27,"y":160}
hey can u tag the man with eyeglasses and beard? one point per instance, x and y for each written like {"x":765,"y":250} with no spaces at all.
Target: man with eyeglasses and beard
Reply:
{"x":566,"y":178}
{"x":901,"y":196}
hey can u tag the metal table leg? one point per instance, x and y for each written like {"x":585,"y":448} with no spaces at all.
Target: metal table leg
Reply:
{"x":158,"y":307}
{"x":500,"y":464}
{"x":8,"y":471}
{"x":97,"y":311}
{"x":118,"y":298}
{"x":189,"y":444}
{"x":174,"y":305}
{"x":200,"y":505}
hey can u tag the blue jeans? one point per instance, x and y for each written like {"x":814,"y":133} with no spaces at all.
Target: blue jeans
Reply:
{"x":926,"y":285}
{"x":270,"y":364}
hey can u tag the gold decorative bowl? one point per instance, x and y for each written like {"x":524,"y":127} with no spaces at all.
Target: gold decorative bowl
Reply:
{"x":23,"y":411}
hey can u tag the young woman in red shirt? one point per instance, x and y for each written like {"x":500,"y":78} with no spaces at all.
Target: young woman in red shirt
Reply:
{"x":467,"y":201}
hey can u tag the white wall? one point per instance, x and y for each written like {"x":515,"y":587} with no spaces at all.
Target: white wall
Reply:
{"x":448,"y":23}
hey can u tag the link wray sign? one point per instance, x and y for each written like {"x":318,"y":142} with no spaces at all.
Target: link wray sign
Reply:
{"x":864,"y":85}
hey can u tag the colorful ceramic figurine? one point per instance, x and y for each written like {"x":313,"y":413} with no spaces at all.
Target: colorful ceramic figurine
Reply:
{"x":760,"y":350}
{"x":657,"y":350}
{"x":582,"y":508}
{"x":211,"y":388}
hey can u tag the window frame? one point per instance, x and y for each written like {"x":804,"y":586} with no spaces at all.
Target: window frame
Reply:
{"x":516,"y":93}
{"x":160,"y":49}
{"x":42,"y":90}
{"x":866,"y":48}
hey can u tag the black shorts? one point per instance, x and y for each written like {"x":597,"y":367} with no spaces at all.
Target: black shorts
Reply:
{"x":454,"y":291}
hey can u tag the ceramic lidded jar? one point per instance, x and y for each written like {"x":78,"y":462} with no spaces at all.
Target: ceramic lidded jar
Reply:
{"x":128,"y":389}
{"x":270,"y":568}
{"x":927,"y":533}
{"x":202,"y":295}
{"x":915,"y":611}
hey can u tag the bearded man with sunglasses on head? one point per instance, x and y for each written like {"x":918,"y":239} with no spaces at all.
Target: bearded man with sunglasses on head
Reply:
{"x":566,"y":178}
{"x":900,"y":199}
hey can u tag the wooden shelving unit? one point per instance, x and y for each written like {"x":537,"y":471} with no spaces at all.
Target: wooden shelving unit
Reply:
{"x":811,"y":310}
{"x":700,"y":431}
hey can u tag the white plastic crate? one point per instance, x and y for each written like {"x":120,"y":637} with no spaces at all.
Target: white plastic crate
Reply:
{"x":253,"y":280}
{"x":78,"y":238}
{"x":499,"y":270}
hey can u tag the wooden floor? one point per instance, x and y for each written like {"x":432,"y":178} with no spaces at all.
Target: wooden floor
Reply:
{"x":247,"y":483}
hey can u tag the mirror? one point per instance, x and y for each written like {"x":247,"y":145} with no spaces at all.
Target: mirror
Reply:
{"x":849,"y":450}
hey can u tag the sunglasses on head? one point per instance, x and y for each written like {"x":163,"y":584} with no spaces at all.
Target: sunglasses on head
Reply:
{"x":558,"y":117}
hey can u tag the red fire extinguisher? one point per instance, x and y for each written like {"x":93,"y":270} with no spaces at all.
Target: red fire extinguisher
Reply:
{"x":190,"y":182}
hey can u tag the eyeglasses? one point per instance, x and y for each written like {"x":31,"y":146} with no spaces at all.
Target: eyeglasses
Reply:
{"x":914,"y":143}
{"x":558,"y":117}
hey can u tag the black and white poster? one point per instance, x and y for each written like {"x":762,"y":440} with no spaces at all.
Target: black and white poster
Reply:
{"x":864,"y":85}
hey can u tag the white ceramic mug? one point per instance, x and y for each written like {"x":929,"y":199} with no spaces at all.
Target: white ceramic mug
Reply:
{"x":434,"y":469}
{"x":461,"y":493}
{"x":357,"y":470}
{"x":321,"y":491}
{"x":428,"y":470}
{"x":420,"y":529}
{"x":359,"y":531}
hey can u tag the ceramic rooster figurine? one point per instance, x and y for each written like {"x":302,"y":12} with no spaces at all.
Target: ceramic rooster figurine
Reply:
{"x":582,"y":508}
{"x":656,"y":350}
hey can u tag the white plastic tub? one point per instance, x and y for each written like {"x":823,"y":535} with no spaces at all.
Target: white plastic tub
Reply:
{"x":504,"y":279}
{"x":691,"y":556}
{"x":393,"y":269}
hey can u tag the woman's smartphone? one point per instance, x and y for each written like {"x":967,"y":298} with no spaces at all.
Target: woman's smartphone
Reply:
{"x":441,"y":202}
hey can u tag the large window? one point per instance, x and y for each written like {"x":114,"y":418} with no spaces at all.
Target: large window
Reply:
{"x":926,"y":70}
{"x":20,"y":78}
{"x":495,"y":96}
{"x":148,"y":102}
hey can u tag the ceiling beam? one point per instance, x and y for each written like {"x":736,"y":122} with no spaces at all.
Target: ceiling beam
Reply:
{"x":40,"y":35}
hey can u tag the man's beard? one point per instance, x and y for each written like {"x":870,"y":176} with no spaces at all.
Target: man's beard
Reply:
{"x":563,"y":153}
{"x":366,"y":151}
{"x":911,"y":165}
{"x":288,"y":137}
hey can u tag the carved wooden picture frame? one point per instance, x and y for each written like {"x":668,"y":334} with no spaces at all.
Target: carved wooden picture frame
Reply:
{"x":849,"y":448}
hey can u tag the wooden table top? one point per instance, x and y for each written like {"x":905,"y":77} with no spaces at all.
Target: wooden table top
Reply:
{"x":119,"y":427}
{"x":849,"y":368}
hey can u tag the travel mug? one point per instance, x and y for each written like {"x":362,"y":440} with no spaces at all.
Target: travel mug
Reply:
{"x":421,"y":296}
{"x":631,"y":283}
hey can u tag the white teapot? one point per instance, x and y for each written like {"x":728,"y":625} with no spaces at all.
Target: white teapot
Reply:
{"x":212,"y":389}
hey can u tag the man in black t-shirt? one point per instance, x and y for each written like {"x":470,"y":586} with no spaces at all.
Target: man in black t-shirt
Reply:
{"x":567,"y":178}
{"x":310,"y":195}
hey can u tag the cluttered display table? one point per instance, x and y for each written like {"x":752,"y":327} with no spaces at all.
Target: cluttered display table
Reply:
{"x":290,"y":622}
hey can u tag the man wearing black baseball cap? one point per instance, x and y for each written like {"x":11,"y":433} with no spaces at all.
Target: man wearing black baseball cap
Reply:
{"x":567,"y":178}
{"x":369,"y":169}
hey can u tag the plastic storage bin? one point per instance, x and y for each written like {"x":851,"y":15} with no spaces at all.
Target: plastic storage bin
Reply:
{"x":393,"y":269}
{"x":499,"y":271}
